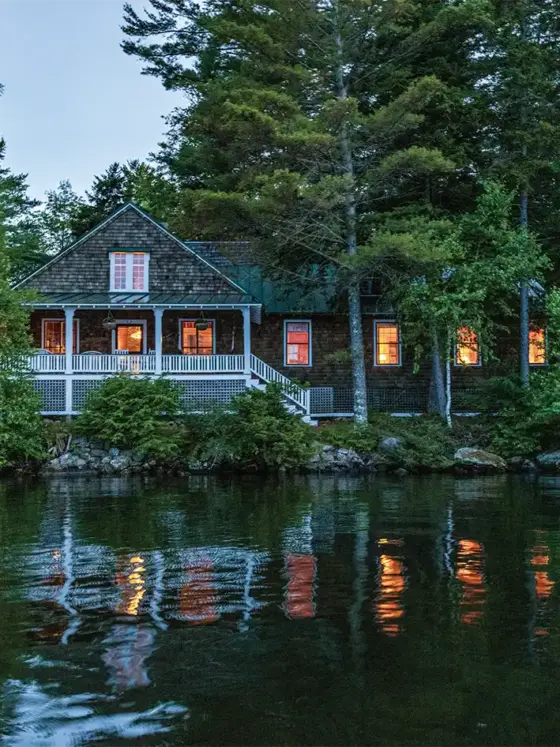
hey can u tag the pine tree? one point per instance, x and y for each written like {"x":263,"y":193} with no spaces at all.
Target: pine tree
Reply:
{"x":293,"y":137}
{"x":57,"y":216}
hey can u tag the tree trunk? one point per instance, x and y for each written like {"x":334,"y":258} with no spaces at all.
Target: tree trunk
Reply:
{"x":437,"y":394}
{"x":448,"y":381}
{"x":354,"y":300}
{"x":524,"y":305}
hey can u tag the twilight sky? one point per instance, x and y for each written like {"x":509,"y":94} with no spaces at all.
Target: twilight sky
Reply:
{"x":73,"y":101}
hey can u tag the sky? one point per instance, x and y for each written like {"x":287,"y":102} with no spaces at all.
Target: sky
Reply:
{"x":73,"y":101}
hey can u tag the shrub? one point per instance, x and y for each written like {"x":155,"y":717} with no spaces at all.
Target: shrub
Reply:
{"x":427,"y":442}
{"x":254,"y":432}
{"x":21,"y":426}
{"x":135,"y":413}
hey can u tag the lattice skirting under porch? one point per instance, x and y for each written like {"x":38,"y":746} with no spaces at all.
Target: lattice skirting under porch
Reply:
{"x":64,"y":396}
{"x":339,"y":400}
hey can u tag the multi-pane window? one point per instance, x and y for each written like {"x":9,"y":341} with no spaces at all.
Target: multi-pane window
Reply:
{"x":130,"y":338}
{"x":467,"y":350}
{"x":119,"y":271}
{"x":54,"y":336}
{"x":387,"y":344}
{"x":537,"y":346}
{"x":297,"y":336}
{"x":129,"y":271}
{"x":196,"y":341}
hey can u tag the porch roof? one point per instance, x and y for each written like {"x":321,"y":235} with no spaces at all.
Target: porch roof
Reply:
{"x":171,"y":300}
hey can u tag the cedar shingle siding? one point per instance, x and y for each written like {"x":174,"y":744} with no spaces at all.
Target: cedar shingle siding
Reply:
{"x":172,"y":268}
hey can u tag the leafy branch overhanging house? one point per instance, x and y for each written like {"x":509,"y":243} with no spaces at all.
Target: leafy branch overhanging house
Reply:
{"x":129,"y":296}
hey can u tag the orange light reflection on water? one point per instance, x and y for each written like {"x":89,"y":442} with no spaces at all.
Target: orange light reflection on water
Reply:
{"x":389,"y":607}
{"x":470,"y":575}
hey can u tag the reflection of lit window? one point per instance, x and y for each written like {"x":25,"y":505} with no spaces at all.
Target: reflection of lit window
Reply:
{"x":297,"y":338}
{"x":537,"y":347}
{"x":133,"y":586}
{"x":197,"y":597}
{"x":470,"y":576}
{"x":300,"y":589}
{"x":540,"y":561}
{"x":389,"y":608}
{"x":387,"y":344}
{"x":467,"y":350}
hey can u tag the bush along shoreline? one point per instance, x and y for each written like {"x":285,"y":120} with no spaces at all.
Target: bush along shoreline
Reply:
{"x":253,"y":434}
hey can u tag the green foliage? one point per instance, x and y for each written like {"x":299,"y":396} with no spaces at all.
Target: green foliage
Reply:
{"x":21,"y":427}
{"x":135,"y":413}
{"x":255,"y":432}
{"x":426,"y":442}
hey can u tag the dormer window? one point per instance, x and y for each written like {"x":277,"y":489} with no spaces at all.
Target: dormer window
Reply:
{"x":129,"y":270}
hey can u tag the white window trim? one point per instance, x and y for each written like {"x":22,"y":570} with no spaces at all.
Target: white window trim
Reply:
{"x":386,"y":365}
{"x":468,"y":365}
{"x":540,"y":365}
{"x":298,"y":365}
{"x":135,"y":323}
{"x":129,"y":279}
{"x":190,"y":319}
{"x":63,"y":320}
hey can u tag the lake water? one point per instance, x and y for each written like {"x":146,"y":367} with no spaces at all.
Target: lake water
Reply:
{"x":299,"y":611}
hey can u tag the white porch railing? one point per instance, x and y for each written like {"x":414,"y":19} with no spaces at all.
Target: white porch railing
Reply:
{"x":295,"y":393}
{"x":202,"y":363}
{"x":113,"y":363}
{"x":107,"y":364}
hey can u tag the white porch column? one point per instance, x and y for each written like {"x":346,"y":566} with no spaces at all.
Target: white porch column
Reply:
{"x":69,"y":338}
{"x":158,"y":314}
{"x":247,"y":339}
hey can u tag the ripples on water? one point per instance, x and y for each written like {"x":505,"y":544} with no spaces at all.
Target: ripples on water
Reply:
{"x":306,"y":611}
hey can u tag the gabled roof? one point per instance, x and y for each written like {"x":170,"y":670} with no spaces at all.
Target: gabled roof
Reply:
{"x":186,"y":246}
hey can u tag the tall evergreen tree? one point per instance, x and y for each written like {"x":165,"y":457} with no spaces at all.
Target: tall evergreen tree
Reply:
{"x":57,"y":216}
{"x":292,"y":137}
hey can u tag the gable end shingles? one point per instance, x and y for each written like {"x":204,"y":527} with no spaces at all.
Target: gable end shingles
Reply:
{"x":172,"y":267}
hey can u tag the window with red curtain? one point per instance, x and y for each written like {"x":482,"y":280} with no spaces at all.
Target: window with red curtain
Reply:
{"x":537,"y":346}
{"x":467,"y":351}
{"x":298,"y":343}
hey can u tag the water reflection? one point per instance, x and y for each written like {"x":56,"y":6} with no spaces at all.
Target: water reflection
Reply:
{"x":470,"y":576}
{"x":264,"y":611}
{"x":389,"y":607}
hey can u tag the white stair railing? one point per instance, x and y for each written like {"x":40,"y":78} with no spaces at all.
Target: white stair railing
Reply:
{"x":295,"y":393}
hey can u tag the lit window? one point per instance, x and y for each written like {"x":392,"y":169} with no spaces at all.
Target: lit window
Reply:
{"x":297,"y":337}
{"x":387,"y":344}
{"x":129,"y":271}
{"x":130,"y":338}
{"x":467,"y":350}
{"x":197,"y":341}
{"x":537,"y":347}
{"x":54,"y":336}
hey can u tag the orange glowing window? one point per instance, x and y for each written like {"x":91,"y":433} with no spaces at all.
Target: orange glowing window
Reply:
{"x":387,"y":344}
{"x":297,"y":337}
{"x":54,"y":336}
{"x":467,"y":350}
{"x":197,"y":340}
{"x":537,"y":347}
{"x":130,"y":337}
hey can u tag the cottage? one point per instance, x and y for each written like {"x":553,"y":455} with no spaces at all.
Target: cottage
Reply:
{"x":131,"y":297}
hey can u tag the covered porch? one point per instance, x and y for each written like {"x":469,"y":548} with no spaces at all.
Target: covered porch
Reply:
{"x":154,"y":334}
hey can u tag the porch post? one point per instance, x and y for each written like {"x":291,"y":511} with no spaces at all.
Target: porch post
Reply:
{"x":158,"y":314}
{"x":69,"y":338}
{"x":247,"y":339}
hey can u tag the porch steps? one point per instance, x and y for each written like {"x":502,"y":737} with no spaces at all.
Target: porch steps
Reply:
{"x":296,"y":398}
